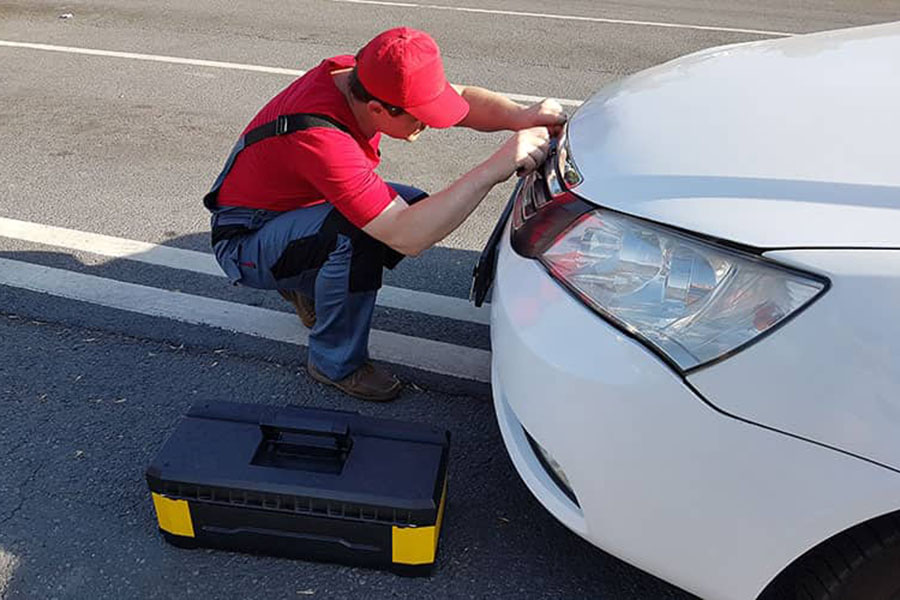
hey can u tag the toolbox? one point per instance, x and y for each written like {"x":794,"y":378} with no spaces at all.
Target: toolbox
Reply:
{"x":304,"y":483}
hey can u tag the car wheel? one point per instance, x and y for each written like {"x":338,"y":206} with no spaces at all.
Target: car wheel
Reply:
{"x":862,"y":563}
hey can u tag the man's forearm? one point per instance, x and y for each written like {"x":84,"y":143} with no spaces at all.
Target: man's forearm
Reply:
{"x":431,"y":219}
{"x":490,"y":111}
{"x":412,"y":229}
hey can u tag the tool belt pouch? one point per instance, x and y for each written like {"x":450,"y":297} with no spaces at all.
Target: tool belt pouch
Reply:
{"x":303,"y":483}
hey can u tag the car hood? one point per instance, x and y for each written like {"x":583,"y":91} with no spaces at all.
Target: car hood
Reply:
{"x":792,"y":142}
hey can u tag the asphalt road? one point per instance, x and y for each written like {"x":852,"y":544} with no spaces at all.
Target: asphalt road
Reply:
{"x":125,"y":146}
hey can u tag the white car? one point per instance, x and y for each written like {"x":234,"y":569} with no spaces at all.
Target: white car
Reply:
{"x":696,"y":320}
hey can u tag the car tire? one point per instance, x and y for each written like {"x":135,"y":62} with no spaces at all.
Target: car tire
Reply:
{"x":862,"y":563}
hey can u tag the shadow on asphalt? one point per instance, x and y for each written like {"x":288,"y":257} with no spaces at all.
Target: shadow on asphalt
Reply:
{"x":439,"y":270}
{"x":443,"y":271}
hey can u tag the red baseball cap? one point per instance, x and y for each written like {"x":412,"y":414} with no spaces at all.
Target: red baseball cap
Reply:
{"x":403,"y":67}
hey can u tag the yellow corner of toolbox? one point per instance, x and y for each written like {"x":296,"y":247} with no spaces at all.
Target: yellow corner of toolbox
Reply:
{"x":174,"y":516}
{"x":418,"y":545}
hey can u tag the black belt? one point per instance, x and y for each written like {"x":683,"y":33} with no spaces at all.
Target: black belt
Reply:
{"x":285,"y":124}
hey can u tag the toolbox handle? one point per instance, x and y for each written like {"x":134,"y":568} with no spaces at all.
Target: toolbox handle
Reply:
{"x":291,"y":441}
{"x":278,"y":421}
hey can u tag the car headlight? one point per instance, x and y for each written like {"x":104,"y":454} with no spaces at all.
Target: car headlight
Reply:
{"x":689,"y":299}
{"x":692,"y":300}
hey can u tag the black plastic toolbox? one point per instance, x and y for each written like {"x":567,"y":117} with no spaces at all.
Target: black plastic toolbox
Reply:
{"x":303,"y":483}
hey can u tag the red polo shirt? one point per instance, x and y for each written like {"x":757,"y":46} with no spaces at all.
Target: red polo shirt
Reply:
{"x":314,"y":165}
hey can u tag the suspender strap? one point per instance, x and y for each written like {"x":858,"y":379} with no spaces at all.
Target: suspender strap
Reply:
{"x":285,"y":124}
{"x":282,"y":125}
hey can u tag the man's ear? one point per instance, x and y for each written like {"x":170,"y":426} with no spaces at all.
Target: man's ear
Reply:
{"x":375,"y":108}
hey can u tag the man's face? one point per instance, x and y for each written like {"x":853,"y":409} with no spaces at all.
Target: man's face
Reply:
{"x":403,"y":126}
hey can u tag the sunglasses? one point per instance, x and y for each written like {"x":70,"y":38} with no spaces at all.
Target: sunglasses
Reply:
{"x":394,"y":111}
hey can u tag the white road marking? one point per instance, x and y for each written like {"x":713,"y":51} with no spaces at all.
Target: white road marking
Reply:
{"x":216,"y":64}
{"x":201,"y":262}
{"x":9,"y":562}
{"x":517,"y":13}
{"x":428,"y":355}
{"x":154,"y":58}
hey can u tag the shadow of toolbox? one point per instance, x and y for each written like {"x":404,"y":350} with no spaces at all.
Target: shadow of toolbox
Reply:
{"x":303,"y":483}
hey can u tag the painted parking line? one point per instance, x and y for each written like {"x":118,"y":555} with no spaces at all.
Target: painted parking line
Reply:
{"x":214,"y":64}
{"x":418,"y":353}
{"x":555,"y":16}
{"x":153,"y":58}
{"x":201,"y":262}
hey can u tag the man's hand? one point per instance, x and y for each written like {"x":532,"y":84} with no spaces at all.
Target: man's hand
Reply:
{"x":548,"y":113}
{"x":490,"y":111}
{"x":524,"y":152}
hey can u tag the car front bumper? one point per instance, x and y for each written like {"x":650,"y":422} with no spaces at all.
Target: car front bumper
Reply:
{"x":662,"y":479}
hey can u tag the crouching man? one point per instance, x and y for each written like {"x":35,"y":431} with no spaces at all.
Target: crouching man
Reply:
{"x":299,"y":208}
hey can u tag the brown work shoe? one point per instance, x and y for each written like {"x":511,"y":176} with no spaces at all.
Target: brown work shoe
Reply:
{"x":366,"y":383}
{"x":303,"y":306}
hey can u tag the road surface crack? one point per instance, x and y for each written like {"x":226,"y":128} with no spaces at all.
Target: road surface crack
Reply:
{"x":22,"y":487}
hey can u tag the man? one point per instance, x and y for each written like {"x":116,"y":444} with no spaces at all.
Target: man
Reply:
{"x":300,"y":209}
